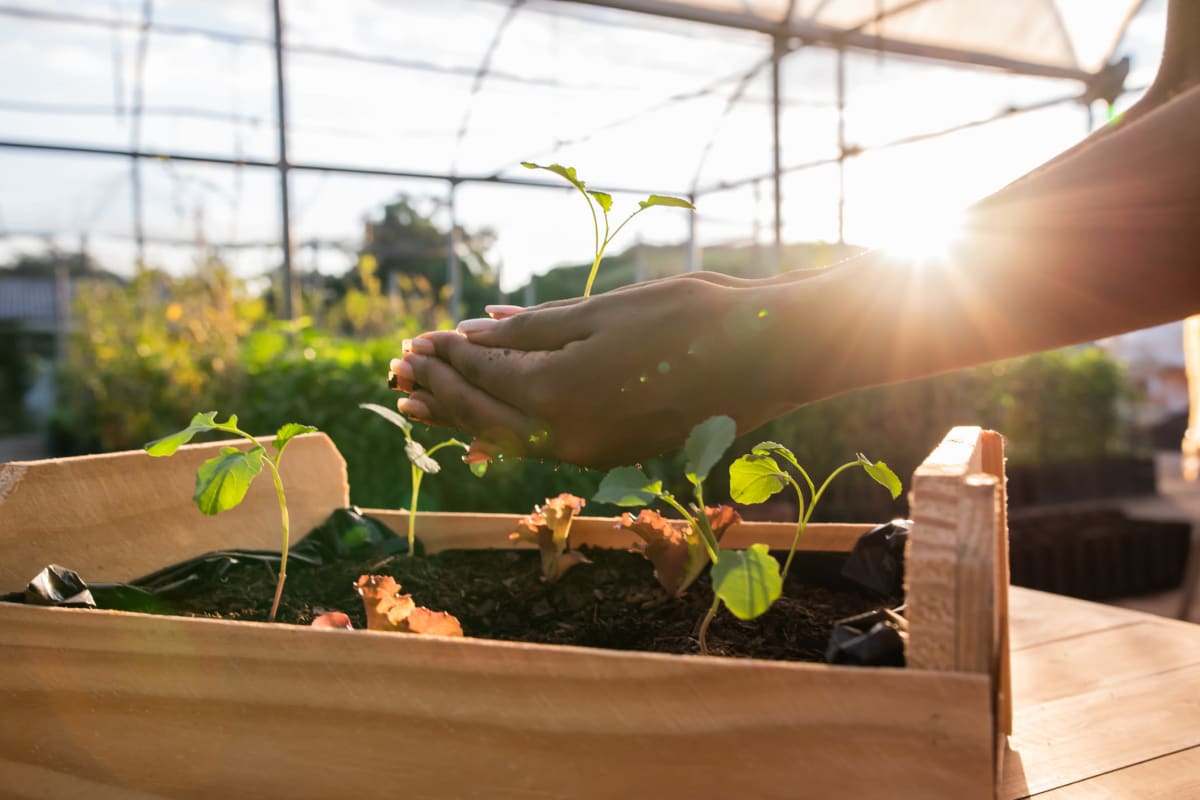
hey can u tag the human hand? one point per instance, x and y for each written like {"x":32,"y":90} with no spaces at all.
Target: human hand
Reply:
{"x":608,"y":379}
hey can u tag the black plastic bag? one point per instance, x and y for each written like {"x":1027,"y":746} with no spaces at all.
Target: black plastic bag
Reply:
{"x":874,"y":639}
{"x":877,"y":561}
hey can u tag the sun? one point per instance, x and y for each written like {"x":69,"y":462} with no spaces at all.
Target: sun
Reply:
{"x":919,"y":234}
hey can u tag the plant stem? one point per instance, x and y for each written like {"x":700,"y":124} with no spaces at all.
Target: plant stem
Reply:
{"x":708,"y":618}
{"x":825,"y":485}
{"x":417,"y":474}
{"x":283,"y":515}
{"x":706,"y":536}
{"x":801,"y":524}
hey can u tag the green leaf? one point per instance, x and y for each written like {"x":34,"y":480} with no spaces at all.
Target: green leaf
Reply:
{"x":567,"y":173}
{"x":627,"y":486}
{"x":288,"y":431}
{"x":421,"y":459}
{"x":479,"y":468}
{"x":394,"y":417}
{"x":207,"y":421}
{"x":604,"y":199}
{"x":665,"y":200}
{"x":221,"y":482}
{"x":755,"y":477}
{"x":776,"y":449}
{"x":705,"y":445}
{"x":748,"y":581}
{"x":882,"y":474}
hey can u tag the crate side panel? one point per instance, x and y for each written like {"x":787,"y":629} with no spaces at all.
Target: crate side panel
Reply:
{"x":188,"y":708}
{"x":114,"y":517}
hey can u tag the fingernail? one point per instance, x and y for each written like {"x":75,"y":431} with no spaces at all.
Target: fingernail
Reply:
{"x":422,"y":347}
{"x":401,"y":376}
{"x":405,"y":348}
{"x":500,"y":311}
{"x":395,"y":363}
{"x":413,"y":408}
{"x":469,"y":326}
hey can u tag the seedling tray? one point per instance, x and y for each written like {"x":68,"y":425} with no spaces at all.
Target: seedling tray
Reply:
{"x":117,"y":703}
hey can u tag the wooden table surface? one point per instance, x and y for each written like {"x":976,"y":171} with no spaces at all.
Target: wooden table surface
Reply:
{"x":1106,"y":702}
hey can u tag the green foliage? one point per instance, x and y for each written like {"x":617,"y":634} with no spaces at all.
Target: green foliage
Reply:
{"x":605,"y":201}
{"x":222,"y":481}
{"x":628,"y":487}
{"x":705,"y":445}
{"x":747,"y":581}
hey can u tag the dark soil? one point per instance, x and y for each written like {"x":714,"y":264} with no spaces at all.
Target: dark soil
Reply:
{"x":613,"y":603}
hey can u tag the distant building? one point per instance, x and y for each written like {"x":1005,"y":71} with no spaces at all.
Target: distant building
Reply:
{"x":1154,"y":362}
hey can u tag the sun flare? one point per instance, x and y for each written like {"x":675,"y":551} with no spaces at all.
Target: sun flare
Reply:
{"x":920,"y":235}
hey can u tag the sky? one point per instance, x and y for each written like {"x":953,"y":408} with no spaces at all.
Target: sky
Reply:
{"x":631,"y":101}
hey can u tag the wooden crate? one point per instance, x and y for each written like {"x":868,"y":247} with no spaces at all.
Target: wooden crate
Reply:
{"x":126,"y":705}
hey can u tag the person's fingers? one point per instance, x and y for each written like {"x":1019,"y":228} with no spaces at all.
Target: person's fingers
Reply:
{"x":506,"y":374}
{"x":502,"y":311}
{"x":447,"y":398}
{"x":541,"y":328}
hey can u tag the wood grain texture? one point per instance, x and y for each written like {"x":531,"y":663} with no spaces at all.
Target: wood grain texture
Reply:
{"x":1170,"y":777}
{"x":446,"y":530}
{"x":1101,"y":659}
{"x":1089,"y":733}
{"x":118,"y":516}
{"x":202,"y":708}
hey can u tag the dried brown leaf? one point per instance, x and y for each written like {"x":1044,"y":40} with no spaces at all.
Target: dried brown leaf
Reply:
{"x":389,"y":610}
{"x":666,"y":546}
{"x":720,"y":518}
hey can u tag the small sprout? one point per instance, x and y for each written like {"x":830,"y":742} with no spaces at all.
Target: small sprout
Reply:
{"x":334,"y":620}
{"x":605,"y":202}
{"x":222,"y":481}
{"x":389,"y":610}
{"x":549,"y":527}
{"x":756,"y":476}
{"x":421,"y":462}
{"x":674,"y":547}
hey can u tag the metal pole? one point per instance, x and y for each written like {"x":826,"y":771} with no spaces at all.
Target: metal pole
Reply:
{"x":453,"y":267}
{"x":692,"y":263}
{"x":777,"y":151}
{"x":841,"y":134}
{"x":285,"y":222}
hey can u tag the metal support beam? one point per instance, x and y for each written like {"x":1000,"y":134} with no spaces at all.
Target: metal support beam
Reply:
{"x":453,"y":265}
{"x":841,"y":134}
{"x":285,"y":221}
{"x":780,"y":48}
{"x":816,"y":34}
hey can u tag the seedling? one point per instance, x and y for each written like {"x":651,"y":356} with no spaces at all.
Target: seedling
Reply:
{"x":420,"y":460}
{"x":757,"y":476}
{"x":747,"y":581}
{"x":222,"y":482}
{"x":548,"y":527}
{"x":630,"y":487}
{"x":605,"y":201}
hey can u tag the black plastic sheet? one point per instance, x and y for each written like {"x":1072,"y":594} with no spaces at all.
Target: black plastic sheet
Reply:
{"x":346,"y":531}
{"x":877,"y":561}
{"x":874,"y":639}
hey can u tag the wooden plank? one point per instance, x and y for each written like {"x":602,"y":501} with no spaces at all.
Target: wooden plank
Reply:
{"x":1114,"y":726}
{"x":1037,"y":617}
{"x":115,"y":517}
{"x":187,"y":708}
{"x":1102,"y":658}
{"x":446,"y":530}
{"x":993,"y":464}
{"x":1170,"y":777}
